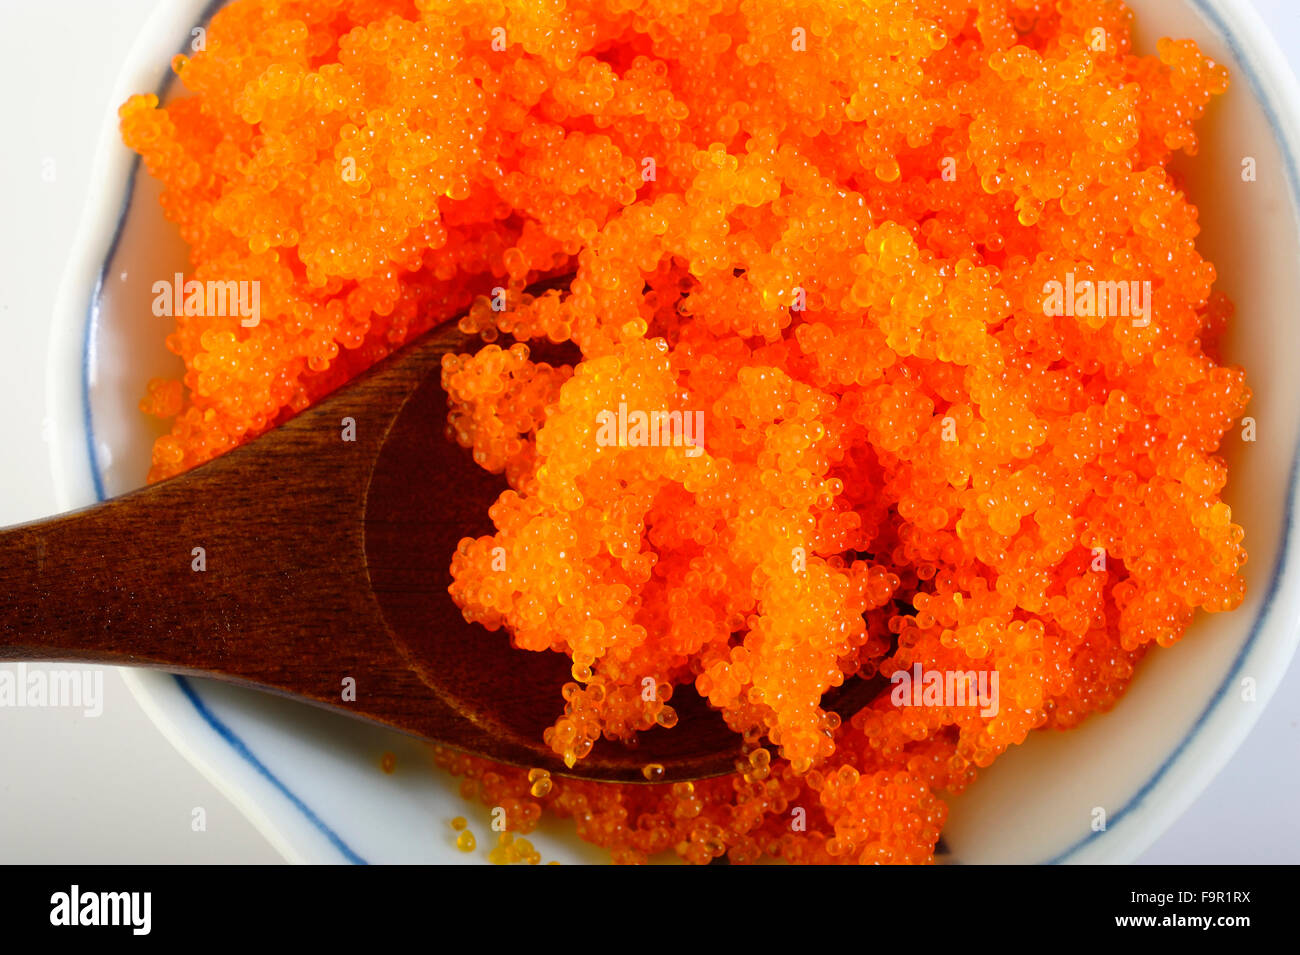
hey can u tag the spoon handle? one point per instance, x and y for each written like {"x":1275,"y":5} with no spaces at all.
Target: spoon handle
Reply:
{"x":248,"y":567}
{"x":236,"y":568}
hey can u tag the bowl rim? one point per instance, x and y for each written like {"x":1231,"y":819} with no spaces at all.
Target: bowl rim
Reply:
{"x":282,"y":816}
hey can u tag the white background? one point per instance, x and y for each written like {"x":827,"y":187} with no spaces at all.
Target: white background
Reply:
{"x":111,"y":789}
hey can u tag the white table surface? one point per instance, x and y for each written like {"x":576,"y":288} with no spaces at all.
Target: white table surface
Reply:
{"x":111,"y":789}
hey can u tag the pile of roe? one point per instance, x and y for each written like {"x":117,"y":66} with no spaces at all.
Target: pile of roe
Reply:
{"x":824,"y":230}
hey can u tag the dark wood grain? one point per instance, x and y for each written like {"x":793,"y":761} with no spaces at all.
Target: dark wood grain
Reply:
{"x":325,"y":560}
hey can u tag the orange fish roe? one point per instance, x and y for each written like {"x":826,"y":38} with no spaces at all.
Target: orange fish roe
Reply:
{"x":823,"y":236}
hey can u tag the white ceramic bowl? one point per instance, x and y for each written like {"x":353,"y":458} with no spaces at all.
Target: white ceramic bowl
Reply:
{"x":311,"y":782}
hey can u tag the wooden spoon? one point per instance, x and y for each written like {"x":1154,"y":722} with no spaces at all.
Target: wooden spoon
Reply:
{"x":325,"y":565}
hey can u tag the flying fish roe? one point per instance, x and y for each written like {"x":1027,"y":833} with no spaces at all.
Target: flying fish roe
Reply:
{"x":822,"y":230}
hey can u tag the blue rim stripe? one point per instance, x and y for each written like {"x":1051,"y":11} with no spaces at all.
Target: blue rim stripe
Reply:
{"x":242,"y":749}
{"x":1279,"y":566}
{"x":92,"y":320}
